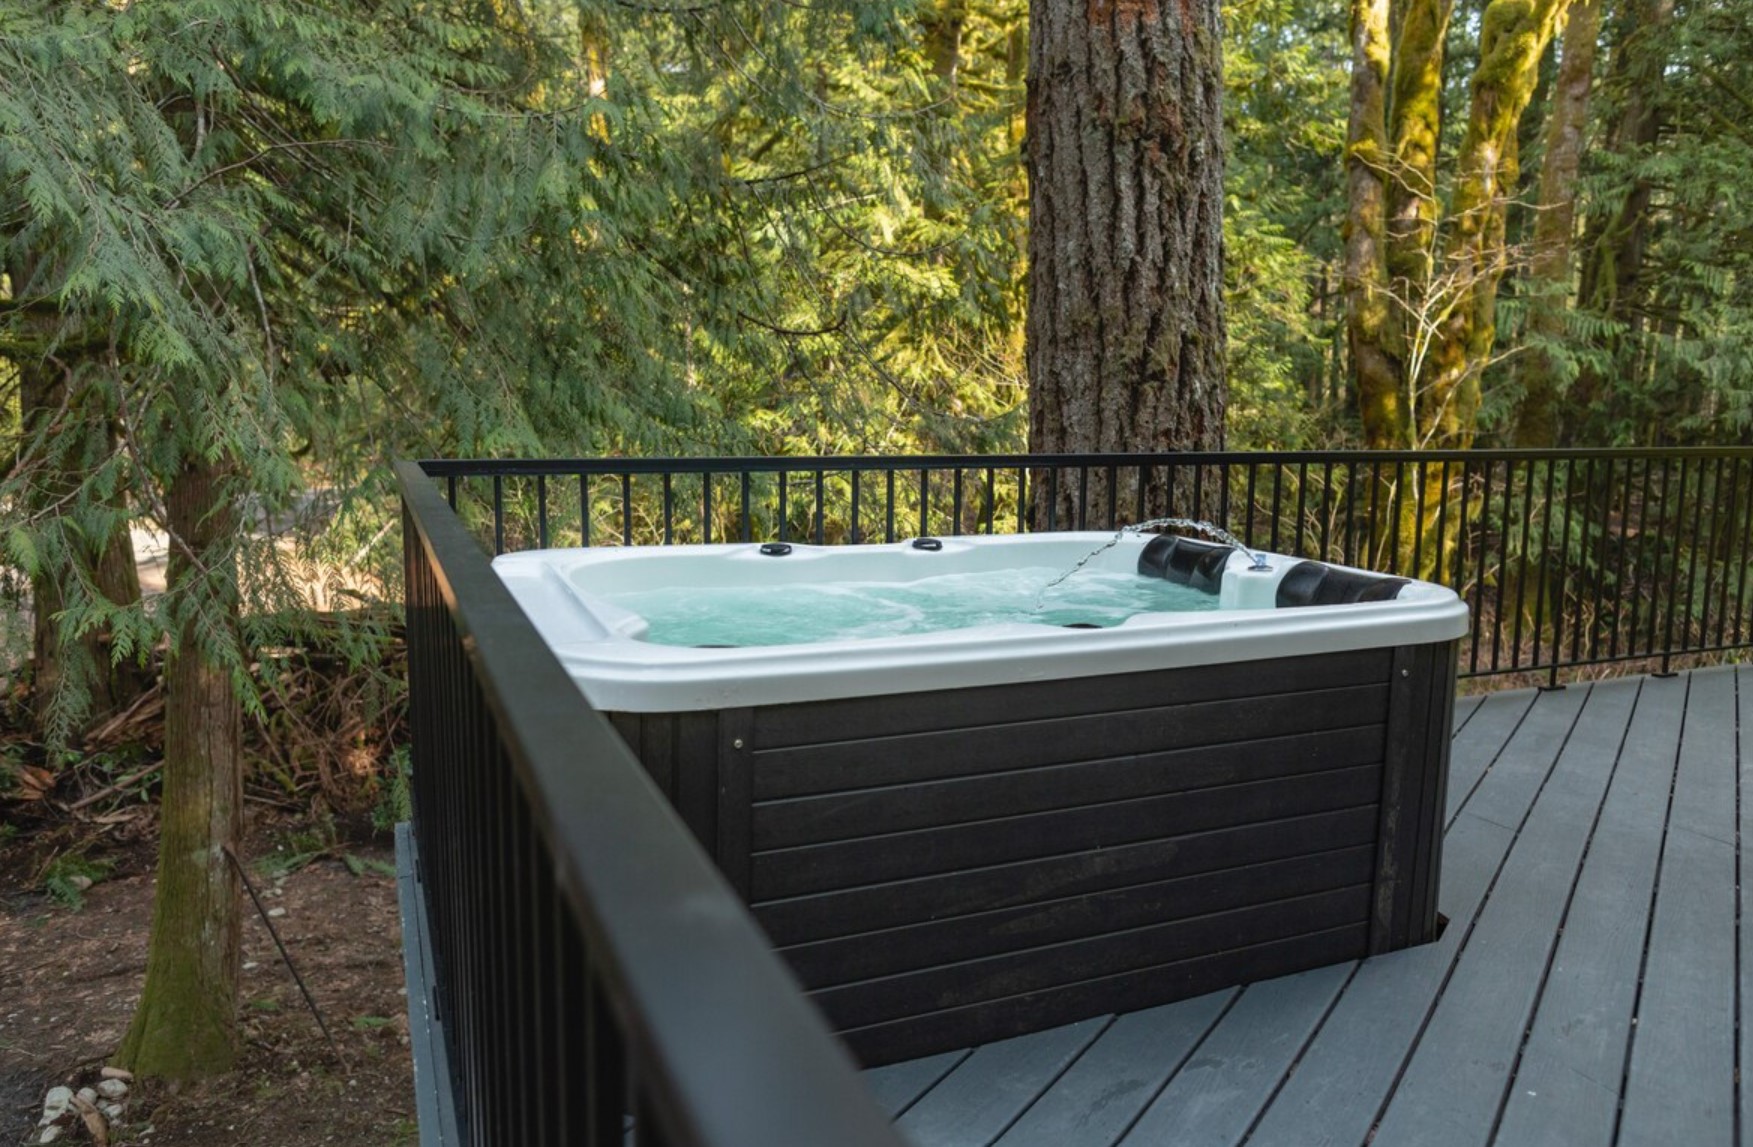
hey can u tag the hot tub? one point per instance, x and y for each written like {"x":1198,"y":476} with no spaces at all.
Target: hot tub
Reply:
{"x":971,"y":832}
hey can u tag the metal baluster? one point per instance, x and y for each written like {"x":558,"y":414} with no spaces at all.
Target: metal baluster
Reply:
{"x":857,"y":477}
{"x":669,"y":533}
{"x":542,"y":510}
{"x":627,"y":509}
{"x":821,"y":497}
{"x":924,"y":503}
{"x":1672,"y":531}
{"x":1540,"y":582}
{"x":498,"y":514}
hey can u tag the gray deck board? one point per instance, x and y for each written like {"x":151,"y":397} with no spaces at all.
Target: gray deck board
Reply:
{"x":1345,"y":1078}
{"x":1588,"y":989}
{"x":1744,"y":974}
{"x":1465,"y":707}
{"x":1492,"y":726}
{"x":899,"y":1085}
{"x":977,"y":1101}
{"x":1216,"y":1096}
{"x":1119,"y":1075}
{"x":1450,"y":1092}
{"x":1567,"y":1088}
{"x":1348,"y":1070}
{"x":1686,"y":1014}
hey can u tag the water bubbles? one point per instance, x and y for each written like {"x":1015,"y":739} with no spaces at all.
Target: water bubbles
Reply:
{"x":836,"y":611}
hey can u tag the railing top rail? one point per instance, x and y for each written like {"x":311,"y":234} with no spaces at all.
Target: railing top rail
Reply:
{"x":734,"y":1053}
{"x":466,"y":467}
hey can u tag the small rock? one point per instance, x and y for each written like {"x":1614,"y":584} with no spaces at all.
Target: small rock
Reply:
{"x":276,"y":912}
{"x":112,"y":1089}
{"x":250,"y":965}
{"x":82,"y":883}
{"x":112,"y":1111}
{"x":120,"y":1073}
{"x":55,"y":1104}
{"x":50,"y":1134}
{"x":88,"y":1095}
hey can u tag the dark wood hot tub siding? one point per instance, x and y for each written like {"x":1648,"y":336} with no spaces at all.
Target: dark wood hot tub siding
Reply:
{"x":944,"y":869}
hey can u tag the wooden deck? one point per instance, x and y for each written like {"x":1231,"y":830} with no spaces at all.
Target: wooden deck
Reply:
{"x":1589,"y":988}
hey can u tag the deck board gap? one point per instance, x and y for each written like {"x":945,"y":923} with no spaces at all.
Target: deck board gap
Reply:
{"x":1049,"y":1085}
{"x":1302,"y":1050}
{"x":1473,"y":787}
{"x":1650,"y":915}
{"x":1739,"y":1108}
{"x":1471,"y":705}
{"x":1144,"y":1108}
{"x":1563,"y":919}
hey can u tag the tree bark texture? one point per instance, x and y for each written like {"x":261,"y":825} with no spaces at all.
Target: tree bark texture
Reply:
{"x":1513,"y":36}
{"x":1369,"y":308}
{"x":1417,"y":109}
{"x":185,"y":1026}
{"x":1550,"y":267}
{"x":1125,"y":150}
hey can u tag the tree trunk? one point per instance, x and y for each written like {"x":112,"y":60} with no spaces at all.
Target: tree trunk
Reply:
{"x":74,"y":679}
{"x":1549,"y":272}
{"x":185,"y":1026}
{"x":1513,"y":35}
{"x":1613,"y":258}
{"x":1125,"y":321}
{"x":1369,"y":310}
{"x":1417,"y":123}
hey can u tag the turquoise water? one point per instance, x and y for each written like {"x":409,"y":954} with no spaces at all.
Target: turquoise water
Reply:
{"x":791,"y":614}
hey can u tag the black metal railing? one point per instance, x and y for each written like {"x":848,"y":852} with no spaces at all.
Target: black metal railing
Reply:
{"x":598,"y":981}
{"x":1568,"y":558}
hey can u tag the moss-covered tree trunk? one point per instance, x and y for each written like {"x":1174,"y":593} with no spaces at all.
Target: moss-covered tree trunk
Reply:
{"x":1550,"y":262}
{"x":1125,"y":150}
{"x":1416,"y":108}
{"x":185,"y":1026}
{"x":1369,"y":310}
{"x":1513,"y":35}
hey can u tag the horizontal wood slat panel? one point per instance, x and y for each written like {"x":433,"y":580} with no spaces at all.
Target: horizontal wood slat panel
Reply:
{"x":1143,"y":988}
{"x":857,"y":718}
{"x":867,"y":812}
{"x":1028,"y":743}
{"x":979,"y":934}
{"x":1088,"y":958}
{"x":824,"y":914}
{"x":813,"y":868}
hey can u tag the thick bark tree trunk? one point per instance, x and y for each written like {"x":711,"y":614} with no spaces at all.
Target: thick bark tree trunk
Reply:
{"x":1549,"y":272}
{"x":1125,"y":143}
{"x":185,"y":1026}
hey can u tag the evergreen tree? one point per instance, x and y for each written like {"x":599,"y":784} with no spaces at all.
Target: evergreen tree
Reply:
{"x":285,"y":219}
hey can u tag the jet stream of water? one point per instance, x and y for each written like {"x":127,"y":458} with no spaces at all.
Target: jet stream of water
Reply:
{"x":1208,"y":528}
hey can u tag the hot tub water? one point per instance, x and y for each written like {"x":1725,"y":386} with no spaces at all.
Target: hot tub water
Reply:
{"x":857,"y":610}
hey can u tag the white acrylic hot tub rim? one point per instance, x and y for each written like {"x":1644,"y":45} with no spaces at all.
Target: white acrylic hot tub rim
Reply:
{"x":599,"y":644}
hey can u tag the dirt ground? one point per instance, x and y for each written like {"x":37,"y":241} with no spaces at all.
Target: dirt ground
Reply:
{"x":69,"y":980}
